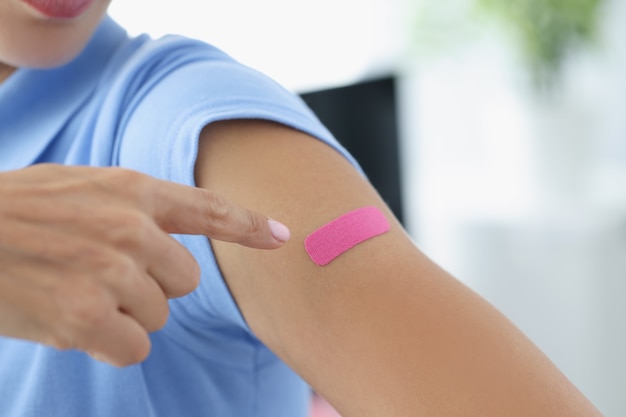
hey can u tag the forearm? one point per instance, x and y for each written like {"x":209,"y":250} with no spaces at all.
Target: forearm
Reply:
{"x":430,"y":347}
{"x":415,"y":342}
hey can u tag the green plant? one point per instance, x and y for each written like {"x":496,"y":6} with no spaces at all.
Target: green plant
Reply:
{"x":545,"y":31}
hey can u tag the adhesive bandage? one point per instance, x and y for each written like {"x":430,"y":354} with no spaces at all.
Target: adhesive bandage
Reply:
{"x":345,"y":232}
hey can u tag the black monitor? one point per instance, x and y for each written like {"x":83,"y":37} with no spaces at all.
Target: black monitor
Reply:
{"x":364,"y":118}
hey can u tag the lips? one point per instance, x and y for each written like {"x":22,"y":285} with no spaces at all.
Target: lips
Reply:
{"x":60,"y":9}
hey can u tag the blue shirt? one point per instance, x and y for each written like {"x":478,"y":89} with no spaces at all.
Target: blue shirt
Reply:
{"x":141,"y":103}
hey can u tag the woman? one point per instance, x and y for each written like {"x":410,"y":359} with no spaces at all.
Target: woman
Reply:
{"x":375,"y":327}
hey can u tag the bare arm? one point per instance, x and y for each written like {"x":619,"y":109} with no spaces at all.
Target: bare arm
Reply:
{"x":382,"y":330}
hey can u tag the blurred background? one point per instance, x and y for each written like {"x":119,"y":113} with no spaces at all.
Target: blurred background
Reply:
{"x":496,"y":129}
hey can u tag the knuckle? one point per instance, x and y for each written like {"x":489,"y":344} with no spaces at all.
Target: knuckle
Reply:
{"x":121,"y":269}
{"x":76,"y":252}
{"x":82,"y":307}
{"x":228,"y":221}
{"x":217,"y":207}
{"x":126,"y":182}
{"x":49,"y":168}
{"x":254,"y":223}
{"x":130,"y":230}
{"x":90,"y":305}
{"x":106,"y":265}
{"x":133,"y":221}
{"x":215,"y":214}
{"x":45,"y":167}
{"x":124,"y":175}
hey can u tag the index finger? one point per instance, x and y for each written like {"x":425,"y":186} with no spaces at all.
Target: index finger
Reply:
{"x":184,"y":209}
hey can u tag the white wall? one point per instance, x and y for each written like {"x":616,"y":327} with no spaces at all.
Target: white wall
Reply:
{"x":523,"y":196}
{"x":303,"y":45}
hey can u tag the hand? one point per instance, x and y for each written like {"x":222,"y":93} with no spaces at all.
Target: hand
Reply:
{"x":86,"y":261}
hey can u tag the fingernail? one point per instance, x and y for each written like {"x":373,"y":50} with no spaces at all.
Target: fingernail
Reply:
{"x":101,"y":358}
{"x":279,"y":230}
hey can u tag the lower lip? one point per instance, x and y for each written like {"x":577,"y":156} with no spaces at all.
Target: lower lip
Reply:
{"x":60,"y":9}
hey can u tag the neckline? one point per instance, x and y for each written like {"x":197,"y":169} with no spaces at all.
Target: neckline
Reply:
{"x":35,"y":104}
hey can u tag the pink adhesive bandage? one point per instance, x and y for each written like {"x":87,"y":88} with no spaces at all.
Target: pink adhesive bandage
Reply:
{"x":345,"y":232}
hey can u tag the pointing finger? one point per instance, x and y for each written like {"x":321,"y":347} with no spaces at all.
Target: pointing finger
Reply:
{"x":189,"y":210}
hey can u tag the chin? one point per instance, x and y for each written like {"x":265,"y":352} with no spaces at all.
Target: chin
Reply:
{"x":40,"y":58}
{"x":35,"y":42}
{"x":50,"y":58}
{"x":45,"y":47}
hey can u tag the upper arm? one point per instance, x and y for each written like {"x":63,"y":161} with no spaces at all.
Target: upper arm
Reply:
{"x":381,"y":330}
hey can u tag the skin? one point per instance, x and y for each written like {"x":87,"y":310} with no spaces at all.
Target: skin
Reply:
{"x":382,"y":330}
{"x":5,"y":71}
{"x":29,"y":39}
{"x":80,"y":244}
